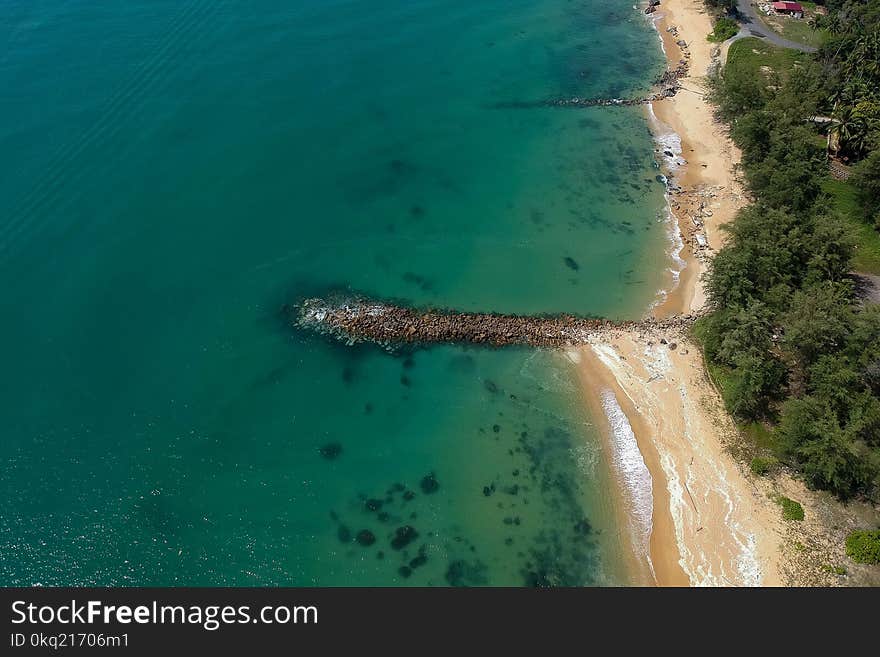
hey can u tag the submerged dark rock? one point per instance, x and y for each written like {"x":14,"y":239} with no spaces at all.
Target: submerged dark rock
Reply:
{"x":365,"y":537}
{"x":330,"y":451}
{"x":540,"y":579}
{"x":420,"y":560}
{"x":430,"y":484}
{"x":463,"y":573}
{"x":583,"y":527}
{"x":403,"y":536}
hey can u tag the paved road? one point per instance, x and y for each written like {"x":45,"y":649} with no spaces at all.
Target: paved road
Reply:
{"x":867,"y":287}
{"x":748,"y":17}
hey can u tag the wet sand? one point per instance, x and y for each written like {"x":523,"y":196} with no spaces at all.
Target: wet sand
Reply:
{"x":711,"y":525}
{"x":662,"y":565}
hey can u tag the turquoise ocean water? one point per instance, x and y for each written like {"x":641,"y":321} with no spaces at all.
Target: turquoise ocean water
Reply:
{"x":174,"y":172}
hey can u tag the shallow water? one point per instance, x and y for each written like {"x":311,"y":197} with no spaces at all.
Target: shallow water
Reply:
{"x":175,"y":172}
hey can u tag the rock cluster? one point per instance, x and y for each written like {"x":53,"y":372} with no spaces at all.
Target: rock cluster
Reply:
{"x":668,"y":90}
{"x":694,"y":203}
{"x":666,"y":84}
{"x":364,"y":320}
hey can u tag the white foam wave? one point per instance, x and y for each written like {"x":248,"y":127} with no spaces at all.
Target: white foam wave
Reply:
{"x":747,"y":563}
{"x":627,"y":460}
{"x":703,"y":562}
{"x":667,"y":140}
{"x":654,"y":19}
{"x":669,"y":147}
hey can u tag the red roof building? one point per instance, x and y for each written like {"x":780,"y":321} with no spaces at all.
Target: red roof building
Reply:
{"x":788,"y":7}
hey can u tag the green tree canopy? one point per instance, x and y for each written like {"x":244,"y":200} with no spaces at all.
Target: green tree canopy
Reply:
{"x":817,"y":322}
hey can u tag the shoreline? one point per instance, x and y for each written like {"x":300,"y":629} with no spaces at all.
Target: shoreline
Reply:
{"x":710,"y":524}
{"x":713,"y":522}
{"x":706,"y":192}
{"x":660,"y":564}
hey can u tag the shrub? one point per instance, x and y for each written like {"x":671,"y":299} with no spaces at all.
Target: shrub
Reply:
{"x":791,"y":510}
{"x":763,"y":465}
{"x":837,"y":570}
{"x":864,"y":546}
{"x":724,"y":29}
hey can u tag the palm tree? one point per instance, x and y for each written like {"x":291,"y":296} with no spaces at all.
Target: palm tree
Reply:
{"x":840,"y":130}
{"x":850,"y":127}
{"x":861,"y":70}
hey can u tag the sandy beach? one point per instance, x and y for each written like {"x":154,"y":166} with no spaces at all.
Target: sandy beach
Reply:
{"x":714,"y":523}
{"x":711,"y":524}
{"x":710,"y":193}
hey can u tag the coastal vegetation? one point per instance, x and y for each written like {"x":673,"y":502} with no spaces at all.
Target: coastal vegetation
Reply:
{"x":788,"y":339}
{"x":723,"y":29}
{"x":791,"y":510}
{"x":864,"y":546}
{"x":834,"y":570}
{"x":843,"y":196}
{"x":866,"y":179}
{"x":762,"y":465}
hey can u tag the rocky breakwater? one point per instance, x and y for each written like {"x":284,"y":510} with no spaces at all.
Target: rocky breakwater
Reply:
{"x":365,"y":320}
{"x":665,"y":86}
